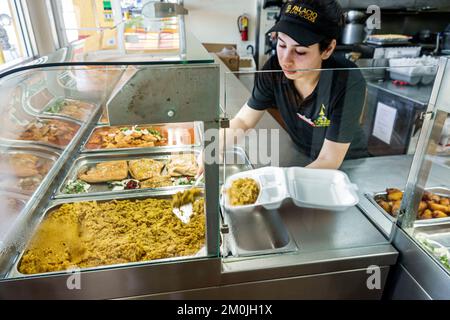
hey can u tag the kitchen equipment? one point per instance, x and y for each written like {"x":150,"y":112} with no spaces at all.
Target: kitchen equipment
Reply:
{"x":443,"y":41}
{"x":183,"y":203}
{"x":388,"y":39}
{"x":354,"y":31}
{"x":414,"y":70}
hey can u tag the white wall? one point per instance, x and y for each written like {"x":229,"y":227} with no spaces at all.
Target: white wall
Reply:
{"x":216,"y":20}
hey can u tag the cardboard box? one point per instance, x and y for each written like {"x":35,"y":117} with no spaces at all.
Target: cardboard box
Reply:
{"x":226,"y":52}
{"x":217,"y":47}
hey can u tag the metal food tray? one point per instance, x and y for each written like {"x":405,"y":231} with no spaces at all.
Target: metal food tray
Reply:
{"x":440,"y":191}
{"x":14,"y":273}
{"x":197,"y":140}
{"x":41,"y":152}
{"x":46,"y":113}
{"x":257,"y":232}
{"x":18,"y":196}
{"x":97,"y":189}
{"x":12,"y":142}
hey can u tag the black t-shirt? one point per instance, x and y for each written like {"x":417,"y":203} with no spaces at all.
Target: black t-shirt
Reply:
{"x":331,"y":112}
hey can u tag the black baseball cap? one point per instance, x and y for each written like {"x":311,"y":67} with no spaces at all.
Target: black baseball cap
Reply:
{"x":305,"y":22}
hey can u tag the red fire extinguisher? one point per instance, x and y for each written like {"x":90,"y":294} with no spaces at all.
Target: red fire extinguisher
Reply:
{"x":243,"y":26}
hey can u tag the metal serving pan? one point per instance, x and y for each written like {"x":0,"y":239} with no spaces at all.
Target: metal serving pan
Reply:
{"x":258,"y":232}
{"x":75,"y":137}
{"x":22,"y":199}
{"x":93,"y":108}
{"x":40,"y":152}
{"x":440,"y":191}
{"x":57,"y":203}
{"x":195,"y":127}
{"x":96,"y":189}
{"x":439,"y":232}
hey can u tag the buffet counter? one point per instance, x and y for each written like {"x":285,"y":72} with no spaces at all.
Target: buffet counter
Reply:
{"x":287,"y":253}
{"x":331,"y":251}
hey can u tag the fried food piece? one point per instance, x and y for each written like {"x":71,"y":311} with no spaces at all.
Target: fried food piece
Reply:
{"x":105,"y":171}
{"x":427,"y":196}
{"x":439,"y":214}
{"x":385,"y":205}
{"x":396,"y":207}
{"x":445,"y":201}
{"x":435,"y":198}
{"x":394,"y":194}
{"x":157,"y":182}
{"x":24,"y":165}
{"x":144,"y":169}
{"x":427,"y":214}
{"x":243,"y":192}
{"x":438,"y":207}
{"x":422,"y":206}
{"x":56,"y":132}
{"x":182,"y":165}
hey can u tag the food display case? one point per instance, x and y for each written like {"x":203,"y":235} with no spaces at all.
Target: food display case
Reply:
{"x":423,"y":217}
{"x":98,"y":170}
{"x":116,"y":209}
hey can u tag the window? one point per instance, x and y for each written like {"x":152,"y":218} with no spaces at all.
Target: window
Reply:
{"x":15,"y":41}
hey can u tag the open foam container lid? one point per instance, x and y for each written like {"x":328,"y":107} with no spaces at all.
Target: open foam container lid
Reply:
{"x":309,"y":188}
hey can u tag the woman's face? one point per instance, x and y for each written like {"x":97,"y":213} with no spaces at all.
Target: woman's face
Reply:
{"x":293,"y":56}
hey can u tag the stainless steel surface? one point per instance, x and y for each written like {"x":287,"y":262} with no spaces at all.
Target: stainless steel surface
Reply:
{"x":54,"y":205}
{"x":391,"y":171}
{"x":417,"y":94}
{"x":256,"y":233}
{"x":179,"y":94}
{"x":353,"y":33}
{"x":119,"y":282}
{"x":89,"y":160}
{"x":401,"y":285}
{"x":197,"y":141}
{"x":437,"y":232}
{"x":431,"y":277}
{"x":336,"y":286}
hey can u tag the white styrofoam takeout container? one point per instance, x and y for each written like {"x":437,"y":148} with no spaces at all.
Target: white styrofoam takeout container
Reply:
{"x":308,"y":188}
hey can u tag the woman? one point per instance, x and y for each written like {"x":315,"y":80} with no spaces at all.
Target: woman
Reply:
{"x":320,"y":110}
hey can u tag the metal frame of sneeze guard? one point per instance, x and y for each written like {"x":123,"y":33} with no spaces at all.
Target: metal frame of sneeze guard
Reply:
{"x":421,"y":167}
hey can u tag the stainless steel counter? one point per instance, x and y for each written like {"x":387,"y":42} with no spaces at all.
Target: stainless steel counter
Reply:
{"x":418,"y":94}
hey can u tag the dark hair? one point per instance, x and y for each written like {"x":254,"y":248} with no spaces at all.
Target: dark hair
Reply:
{"x":332,"y":11}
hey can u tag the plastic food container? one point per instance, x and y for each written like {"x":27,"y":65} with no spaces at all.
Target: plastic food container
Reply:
{"x":308,"y":188}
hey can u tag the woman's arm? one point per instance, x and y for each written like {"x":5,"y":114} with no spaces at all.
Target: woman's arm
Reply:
{"x":331,"y":155}
{"x":245,"y":119}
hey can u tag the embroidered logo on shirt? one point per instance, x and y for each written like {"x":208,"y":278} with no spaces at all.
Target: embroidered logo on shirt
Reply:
{"x":322,"y":120}
{"x":307,"y":120}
